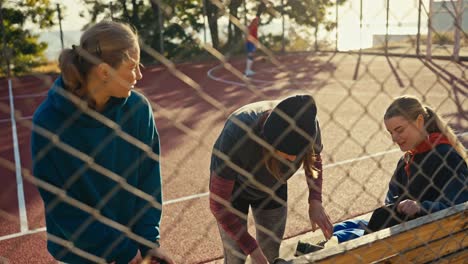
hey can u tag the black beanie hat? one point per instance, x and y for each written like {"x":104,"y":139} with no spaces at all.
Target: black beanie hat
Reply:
{"x":282,"y":134}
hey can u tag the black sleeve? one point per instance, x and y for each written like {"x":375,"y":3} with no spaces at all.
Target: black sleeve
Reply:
{"x":395,"y":185}
{"x":224,"y":159}
{"x":450,"y":178}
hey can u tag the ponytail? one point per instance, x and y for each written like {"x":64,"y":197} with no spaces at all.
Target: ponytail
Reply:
{"x":410,"y":108}
{"x":73,"y":78}
{"x":105,"y":42}
{"x":434,"y":123}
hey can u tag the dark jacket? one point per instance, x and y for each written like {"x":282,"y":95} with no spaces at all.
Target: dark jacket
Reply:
{"x":73,"y":174}
{"x":238,"y":170}
{"x":437,"y":180}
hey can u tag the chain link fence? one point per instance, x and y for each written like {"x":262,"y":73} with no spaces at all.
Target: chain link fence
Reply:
{"x":369,"y":53}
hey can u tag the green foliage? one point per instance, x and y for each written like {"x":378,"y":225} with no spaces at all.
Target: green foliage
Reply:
{"x":179,"y":18}
{"x":181,"y":29}
{"x":443,"y":39}
{"x":311,"y":12}
{"x":273,"y":42}
{"x":440,"y":38}
{"x":182,"y":21}
{"x":305,"y":14}
{"x":23,"y":49}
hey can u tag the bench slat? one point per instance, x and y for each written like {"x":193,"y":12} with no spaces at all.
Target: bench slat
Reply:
{"x":455,"y":258}
{"x":432,"y":250}
{"x":392,"y":241}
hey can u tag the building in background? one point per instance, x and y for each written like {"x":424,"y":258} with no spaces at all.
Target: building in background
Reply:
{"x":443,"y":25}
{"x":443,"y":16}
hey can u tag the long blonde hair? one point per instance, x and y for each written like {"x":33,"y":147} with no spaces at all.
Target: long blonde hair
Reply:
{"x":410,"y":108}
{"x":273,"y":164}
{"x":106,"y":41}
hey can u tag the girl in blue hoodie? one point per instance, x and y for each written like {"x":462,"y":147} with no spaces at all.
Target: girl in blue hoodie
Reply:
{"x":96,"y":153}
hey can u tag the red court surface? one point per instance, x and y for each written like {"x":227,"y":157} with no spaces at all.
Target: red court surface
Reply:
{"x":358,"y":156}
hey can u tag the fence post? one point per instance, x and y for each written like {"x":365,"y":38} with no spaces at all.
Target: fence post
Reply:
{"x":111,"y":7}
{"x":429,"y":33}
{"x":161,"y":31}
{"x":316,"y":27}
{"x":336,"y":26}
{"x":386,"y":27}
{"x":360,"y":26}
{"x":204,"y":20}
{"x":283,"y":41}
{"x":458,"y":24}
{"x":246,"y":23}
{"x":418,"y":36}
{"x":60,"y":24}
{"x":5,"y":51}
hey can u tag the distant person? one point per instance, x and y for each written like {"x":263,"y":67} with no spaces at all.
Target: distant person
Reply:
{"x":260,"y":147}
{"x":88,"y":109}
{"x":251,"y":46}
{"x":431,"y":175}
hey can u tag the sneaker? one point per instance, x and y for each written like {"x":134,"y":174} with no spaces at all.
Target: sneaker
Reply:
{"x":249,"y":73}
{"x":305,"y":248}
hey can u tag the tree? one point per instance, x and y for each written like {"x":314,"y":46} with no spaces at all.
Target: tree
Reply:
{"x":234,"y":32}
{"x":212,"y":13}
{"x":311,"y":13}
{"x":21,"y":48}
{"x":169,"y":21}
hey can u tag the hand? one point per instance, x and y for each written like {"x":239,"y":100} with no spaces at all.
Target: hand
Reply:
{"x":258,"y":257}
{"x":137,"y":259}
{"x":318,"y":217}
{"x":409,"y":207}
{"x":156,"y":255}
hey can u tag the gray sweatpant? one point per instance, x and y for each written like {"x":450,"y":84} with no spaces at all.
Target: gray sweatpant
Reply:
{"x":271,"y":219}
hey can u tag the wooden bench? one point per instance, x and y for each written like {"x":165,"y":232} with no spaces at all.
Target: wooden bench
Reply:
{"x":441,"y":237}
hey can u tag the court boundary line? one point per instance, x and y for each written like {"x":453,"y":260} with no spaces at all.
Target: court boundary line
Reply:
{"x":22,"y":118}
{"x":210,"y":74}
{"x":200,"y":195}
{"x":19,"y":234}
{"x":25,"y":96}
{"x":19,"y":178}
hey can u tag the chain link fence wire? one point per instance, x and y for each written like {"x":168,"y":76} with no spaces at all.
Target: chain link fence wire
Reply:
{"x":363,"y":55}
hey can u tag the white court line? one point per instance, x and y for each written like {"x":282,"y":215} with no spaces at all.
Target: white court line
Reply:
{"x":26,"y":96}
{"x":185,"y":198}
{"x":29,"y":232}
{"x":339,"y":163}
{"x":19,"y":179}
{"x":290,"y":80}
{"x":196,"y":196}
{"x":211,"y":76}
{"x":22,"y":118}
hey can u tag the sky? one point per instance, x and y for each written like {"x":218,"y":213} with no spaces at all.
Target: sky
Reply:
{"x":72,"y":24}
{"x":70,"y":14}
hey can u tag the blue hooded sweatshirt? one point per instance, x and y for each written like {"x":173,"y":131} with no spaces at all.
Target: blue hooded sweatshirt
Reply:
{"x":105,"y":148}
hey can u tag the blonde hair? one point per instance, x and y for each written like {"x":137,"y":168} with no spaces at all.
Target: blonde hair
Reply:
{"x":105,"y":42}
{"x":273,"y":165}
{"x":410,"y":108}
